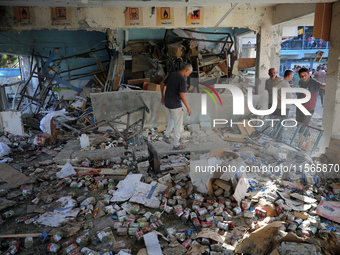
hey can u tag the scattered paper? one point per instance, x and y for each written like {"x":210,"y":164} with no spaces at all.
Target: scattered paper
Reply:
{"x":126,"y":188}
{"x":148,"y":194}
{"x":4,"y":149}
{"x":67,"y":170}
{"x":62,"y":213}
{"x":241,"y":188}
{"x":152,"y":244}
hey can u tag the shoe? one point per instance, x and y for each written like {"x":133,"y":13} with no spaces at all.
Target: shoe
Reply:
{"x":166,"y":139}
{"x":179,"y":147}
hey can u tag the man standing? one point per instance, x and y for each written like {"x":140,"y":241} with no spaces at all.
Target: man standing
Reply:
{"x":176,"y":87}
{"x":320,"y":76}
{"x":288,"y":76}
{"x":306,"y":82}
{"x":296,"y":77}
{"x":270,"y":84}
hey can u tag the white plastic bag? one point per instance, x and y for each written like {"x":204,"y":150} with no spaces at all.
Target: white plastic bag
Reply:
{"x":4,"y":149}
{"x":67,"y":170}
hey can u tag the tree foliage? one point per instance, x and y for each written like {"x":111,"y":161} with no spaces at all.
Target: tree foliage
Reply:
{"x":8,"y":61}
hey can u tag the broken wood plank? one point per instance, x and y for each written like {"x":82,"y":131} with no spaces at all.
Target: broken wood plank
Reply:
{"x":98,"y":171}
{"x":11,"y":175}
{"x":98,"y":80}
{"x":120,"y":68}
{"x":234,"y":140}
{"x":68,"y":126}
{"x":242,"y":129}
{"x":100,"y":139}
{"x":249,"y":129}
{"x":20,"y":235}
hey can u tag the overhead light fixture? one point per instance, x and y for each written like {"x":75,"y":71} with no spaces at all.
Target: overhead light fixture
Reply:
{"x":84,"y":1}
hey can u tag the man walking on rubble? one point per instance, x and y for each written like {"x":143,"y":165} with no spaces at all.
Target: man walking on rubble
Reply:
{"x":313,"y":86}
{"x":176,"y":87}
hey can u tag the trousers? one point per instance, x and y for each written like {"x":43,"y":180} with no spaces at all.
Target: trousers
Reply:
{"x":175,"y":123}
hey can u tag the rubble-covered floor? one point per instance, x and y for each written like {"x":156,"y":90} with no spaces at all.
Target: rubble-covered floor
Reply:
{"x":109,"y":211}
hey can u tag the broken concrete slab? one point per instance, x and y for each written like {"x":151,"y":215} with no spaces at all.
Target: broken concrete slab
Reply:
{"x":72,"y":151}
{"x":11,"y":175}
{"x":4,"y":203}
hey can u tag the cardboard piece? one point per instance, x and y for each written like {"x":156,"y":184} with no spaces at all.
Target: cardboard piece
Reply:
{"x":207,"y":233}
{"x":138,"y":82}
{"x":259,"y":242}
{"x":195,"y":249}
{"x":303,"y":216}
{"x":11,"y":175}
{"x":161,"y":128}
{"x":222,"y":184}
{"x":241,"y":188}
{"x":176,"y":49}
{"x":329,"y":210}
{"x":151,"y":86}
{"x":220,"y":153}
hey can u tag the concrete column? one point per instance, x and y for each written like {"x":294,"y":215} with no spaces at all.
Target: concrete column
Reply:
{"x":331,"y":120}
{"x":275,"y":49}
{"x":269,"y":52}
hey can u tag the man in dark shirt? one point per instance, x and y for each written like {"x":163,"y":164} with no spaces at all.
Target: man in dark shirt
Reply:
{"x":176,"y":87}
{"x":313,"y":86}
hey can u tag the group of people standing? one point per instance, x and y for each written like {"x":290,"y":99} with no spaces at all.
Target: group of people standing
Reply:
{"x":174,"y":87}
{"x":302,"y":78}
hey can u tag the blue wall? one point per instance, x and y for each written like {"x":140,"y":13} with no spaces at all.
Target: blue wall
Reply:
{"x":43,"y":42}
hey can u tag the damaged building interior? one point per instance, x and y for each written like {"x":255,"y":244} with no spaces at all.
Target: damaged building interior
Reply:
{"x":88,"y":162}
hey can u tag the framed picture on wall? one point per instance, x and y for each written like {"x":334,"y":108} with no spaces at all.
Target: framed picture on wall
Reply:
{"x":60,"y":16}
{"x":165,"y":16}
{"x":195,"y":16}
{"x":133,"y":16}
{"x":23,"y":15}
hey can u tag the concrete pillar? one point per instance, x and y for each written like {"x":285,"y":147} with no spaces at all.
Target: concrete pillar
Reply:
{"x":331,"y":120}
{"x":275,"y":48}
{"x":268,"y":54}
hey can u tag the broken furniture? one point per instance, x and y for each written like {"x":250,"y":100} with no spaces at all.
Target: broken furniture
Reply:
{"x":49,"y":77}
{"x":301,"y":137}
{"x":131,"y":130}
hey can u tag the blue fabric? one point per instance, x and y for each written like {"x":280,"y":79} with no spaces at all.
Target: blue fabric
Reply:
{"x":9,"y":72}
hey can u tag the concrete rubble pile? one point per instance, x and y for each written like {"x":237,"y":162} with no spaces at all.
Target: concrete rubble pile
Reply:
{"x":106,"y":206}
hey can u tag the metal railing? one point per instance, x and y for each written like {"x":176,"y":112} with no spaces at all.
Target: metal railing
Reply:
{"x":304,"y":44}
